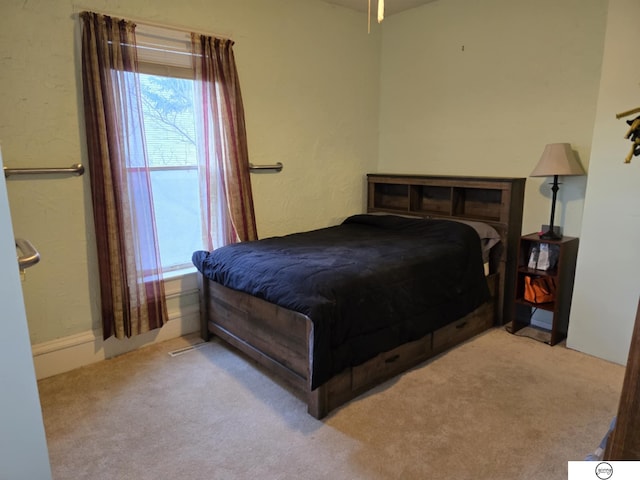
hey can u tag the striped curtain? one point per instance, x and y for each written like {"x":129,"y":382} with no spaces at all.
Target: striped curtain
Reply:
{"x":132,"y":289}
{"x":223,"y":158}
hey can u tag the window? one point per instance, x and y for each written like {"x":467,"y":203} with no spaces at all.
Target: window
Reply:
{"x":118,"y":103}
{"x":168,"y":111}
{"x":169,"y":125}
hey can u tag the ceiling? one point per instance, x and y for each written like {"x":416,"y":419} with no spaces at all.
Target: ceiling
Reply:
{"x":390,"y":6}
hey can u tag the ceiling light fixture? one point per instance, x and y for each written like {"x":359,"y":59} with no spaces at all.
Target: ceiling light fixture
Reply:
{"x":380,"y":14}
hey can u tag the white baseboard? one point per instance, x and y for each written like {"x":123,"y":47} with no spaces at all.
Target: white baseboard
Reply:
{"x":68,"y":353}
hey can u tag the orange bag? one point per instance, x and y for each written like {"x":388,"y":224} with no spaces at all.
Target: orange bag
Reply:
{"x":539,"y":289}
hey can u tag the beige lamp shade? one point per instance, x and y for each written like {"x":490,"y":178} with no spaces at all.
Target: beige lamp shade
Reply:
{"x":557,"y":159}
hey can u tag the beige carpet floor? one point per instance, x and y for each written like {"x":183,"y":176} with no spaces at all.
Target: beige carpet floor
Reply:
{"x":496,"y":407}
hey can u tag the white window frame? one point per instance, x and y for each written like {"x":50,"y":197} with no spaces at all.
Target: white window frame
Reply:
{"x":166,"y":53}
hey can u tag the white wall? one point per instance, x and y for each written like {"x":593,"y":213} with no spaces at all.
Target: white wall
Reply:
{"x":23,"y":449}
{"x":607,"y":281}
{"x":309,"y":75}
{"x":479,"y":88}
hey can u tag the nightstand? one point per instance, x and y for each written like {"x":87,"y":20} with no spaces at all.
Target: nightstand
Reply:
{"x":561,"y":272}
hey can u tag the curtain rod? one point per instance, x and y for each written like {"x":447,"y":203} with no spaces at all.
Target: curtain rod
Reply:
{"x":77,"y":8}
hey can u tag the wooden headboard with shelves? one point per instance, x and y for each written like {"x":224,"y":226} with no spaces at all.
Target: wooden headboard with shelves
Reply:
{"x":496,"y":201}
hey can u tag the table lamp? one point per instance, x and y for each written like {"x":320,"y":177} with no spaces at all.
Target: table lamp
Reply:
{"x":557,"y":159}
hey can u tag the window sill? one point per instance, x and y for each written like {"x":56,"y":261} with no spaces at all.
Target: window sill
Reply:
{"x":180,"y":282}
{"x":183,"y":272}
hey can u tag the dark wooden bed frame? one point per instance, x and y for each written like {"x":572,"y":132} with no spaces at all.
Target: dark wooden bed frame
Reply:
{"x":282,"y":340}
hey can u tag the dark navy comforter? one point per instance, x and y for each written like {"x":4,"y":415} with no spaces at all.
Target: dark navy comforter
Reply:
{"x":368,"y":285}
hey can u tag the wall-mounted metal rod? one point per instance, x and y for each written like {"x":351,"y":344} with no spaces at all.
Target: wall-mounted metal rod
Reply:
{"x":30,"y":255}
{"x":260,"y":168}
{"x":76,"y":169}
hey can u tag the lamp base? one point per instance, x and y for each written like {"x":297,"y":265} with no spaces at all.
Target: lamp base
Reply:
{"x":550,"y":235}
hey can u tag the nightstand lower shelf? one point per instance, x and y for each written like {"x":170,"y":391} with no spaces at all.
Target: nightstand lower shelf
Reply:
{"x":534,"y":332}
{"x":522,"y":325}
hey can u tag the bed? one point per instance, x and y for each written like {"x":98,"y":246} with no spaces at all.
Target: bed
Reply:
{"x":337,"y":310}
